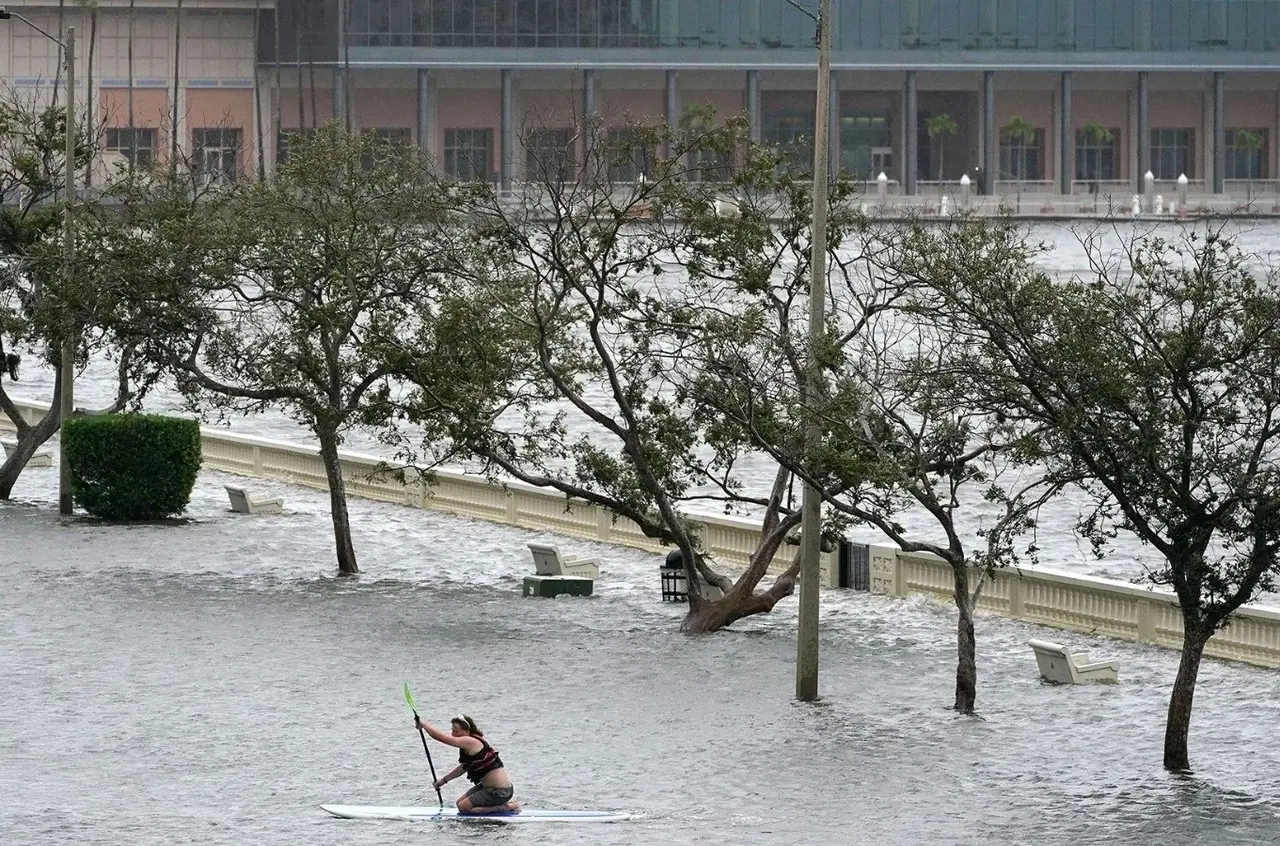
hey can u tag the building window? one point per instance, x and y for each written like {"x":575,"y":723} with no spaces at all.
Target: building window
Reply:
{"x":217,"y":155}
{"x":709,"y":165}
{"x":1172,"y":153}
{"x":385,"y":140}
{"x":791,"y":134}
{"x":1097,"y":151}
{"x":549,"y":155}
{"x":468,"y":154}
{"x":1247,"y":154}
{"x":136,"y":146}
{"x":629,"y":159}
{"x":1022,"y":156}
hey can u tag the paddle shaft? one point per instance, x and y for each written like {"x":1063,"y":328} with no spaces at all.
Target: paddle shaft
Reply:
{"x":430,"y":764}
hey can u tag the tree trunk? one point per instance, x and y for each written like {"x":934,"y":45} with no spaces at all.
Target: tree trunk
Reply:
{"x":716,"y":614}
{"x":966,"y":644}
{"x":1178,"y":727}
{"x":29,"y":440}
{"x":338,"y":504}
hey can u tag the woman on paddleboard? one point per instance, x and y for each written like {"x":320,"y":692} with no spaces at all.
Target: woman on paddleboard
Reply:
{"x":492,"y":791}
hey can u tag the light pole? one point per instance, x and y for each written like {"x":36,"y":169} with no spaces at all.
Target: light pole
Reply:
{"x":811,"y":499}
{"x":66,"y":376}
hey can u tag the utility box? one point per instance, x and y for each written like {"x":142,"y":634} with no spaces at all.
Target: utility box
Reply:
{"x":553,"y":586}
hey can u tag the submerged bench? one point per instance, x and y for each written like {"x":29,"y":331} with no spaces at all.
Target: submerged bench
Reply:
{"x":40,"y":458}
{"x":243,"y":502}
{"x":547,"y":561}
{"x":1063,"y":667}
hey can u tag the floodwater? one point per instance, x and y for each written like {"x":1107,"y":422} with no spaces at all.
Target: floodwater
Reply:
{"x":210,"y":682}
{"x":1126,"y":558}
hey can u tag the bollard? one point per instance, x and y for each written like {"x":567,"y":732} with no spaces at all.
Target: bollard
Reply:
{"x":882,"y":188}
{"x":943,"y":206}
{"x":964,"y":192}
{"x":1149,"y":186}
{"x":1182,"y":195}
{"x":1159,"y":203}
{"x":1137,"y":205}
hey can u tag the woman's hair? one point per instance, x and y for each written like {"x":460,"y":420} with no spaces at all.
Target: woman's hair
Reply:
{"x":468,"y":724}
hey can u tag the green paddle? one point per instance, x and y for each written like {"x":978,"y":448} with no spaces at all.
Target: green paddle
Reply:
{"x":408,"y":697}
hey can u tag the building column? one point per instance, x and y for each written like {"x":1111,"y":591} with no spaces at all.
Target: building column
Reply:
{"x":588,"y":112}
{"x":424,"y":111}
{"x":833,"y":126}
{"x":910,"y":135}
{"x":340,"y":98}
{"x":990,"y":140}
{"x":753,"y":105}
{"x":1219,"y":132}
{"x":671,"y":105}
{"x":507,"y":130}
{"x":1143,"y":141}
{"x":1066,"y":137}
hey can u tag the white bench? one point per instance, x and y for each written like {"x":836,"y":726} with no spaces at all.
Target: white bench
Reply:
{"x":41,"y":457}
{"x":1062,"y":667}
{"x":547,"y":561}
{"x":244,"y":502}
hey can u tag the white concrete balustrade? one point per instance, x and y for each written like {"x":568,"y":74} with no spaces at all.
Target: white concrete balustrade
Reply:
{"x":1060,"y":600}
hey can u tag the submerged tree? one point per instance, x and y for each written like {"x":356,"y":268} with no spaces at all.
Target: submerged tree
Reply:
{"x":272,"y":295}
{"x":34,"y":300}
{"x":607,"y":317}
{"x":1158,"y":380}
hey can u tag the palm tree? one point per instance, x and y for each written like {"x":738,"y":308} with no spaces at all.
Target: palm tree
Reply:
{"x":1247,"y":141}
{"x":1019,"y":130}
{"x":1095,"y":135}
{"x":938,"y":127}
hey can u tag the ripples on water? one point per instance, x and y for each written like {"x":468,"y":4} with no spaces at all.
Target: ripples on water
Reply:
{"x":212,"y":683}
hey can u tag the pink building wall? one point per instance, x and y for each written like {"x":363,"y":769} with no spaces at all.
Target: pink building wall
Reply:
{"x":385,"y":108}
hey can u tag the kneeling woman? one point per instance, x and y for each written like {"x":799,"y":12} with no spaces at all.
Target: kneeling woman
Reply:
{"x":492,"y":791}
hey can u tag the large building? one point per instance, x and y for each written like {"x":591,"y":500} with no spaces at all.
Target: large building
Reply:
{"x":1055,"y":95}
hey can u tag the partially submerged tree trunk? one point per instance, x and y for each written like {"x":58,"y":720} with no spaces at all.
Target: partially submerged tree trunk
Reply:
{"x":338,"y":504}
{"x":29,"y":437}
{"x":1177,"y":729}
{"x":966,"y":643}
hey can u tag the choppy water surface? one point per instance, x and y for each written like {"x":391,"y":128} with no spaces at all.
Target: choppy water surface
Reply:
{"x":209,"y":682}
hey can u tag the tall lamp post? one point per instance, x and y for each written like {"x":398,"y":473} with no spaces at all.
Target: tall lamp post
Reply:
{"x":811,"y":498}
{"x":66,"y":376}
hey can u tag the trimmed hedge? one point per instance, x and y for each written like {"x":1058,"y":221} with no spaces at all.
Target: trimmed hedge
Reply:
{"x":132,"y":466}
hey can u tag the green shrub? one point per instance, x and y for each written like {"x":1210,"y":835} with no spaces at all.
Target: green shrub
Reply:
{"x":132,"y":466}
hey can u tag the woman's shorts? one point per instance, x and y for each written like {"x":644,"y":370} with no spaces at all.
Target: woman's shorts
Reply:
{"x":489,"y":797}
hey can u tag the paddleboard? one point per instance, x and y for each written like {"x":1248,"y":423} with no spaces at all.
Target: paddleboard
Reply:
{"x":391,"y":812}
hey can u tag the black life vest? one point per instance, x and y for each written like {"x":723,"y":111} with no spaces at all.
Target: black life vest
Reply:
{"x":481,"y":763}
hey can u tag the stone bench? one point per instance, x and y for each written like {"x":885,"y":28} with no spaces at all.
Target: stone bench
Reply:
{"x":244,"y":502}
{"x":547,"y":561}
{"x":1060,"y":666}
{"x":41,"y":458}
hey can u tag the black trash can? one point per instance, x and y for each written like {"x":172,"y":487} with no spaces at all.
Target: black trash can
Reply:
{"x":675,"y":585}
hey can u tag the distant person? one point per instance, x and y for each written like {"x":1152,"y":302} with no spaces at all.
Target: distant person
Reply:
{"x":11,"y":362}
{"x":491,"y":792}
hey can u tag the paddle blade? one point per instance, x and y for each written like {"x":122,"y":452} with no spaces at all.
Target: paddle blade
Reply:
{"x":408,"y":697}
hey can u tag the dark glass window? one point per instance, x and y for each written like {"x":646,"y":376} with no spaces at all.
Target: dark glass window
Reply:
{"x":136,"y":146}
{"x":217,"y":155}
{"x":1010,"y":25}
{"x":629,"y":159}
{"x":1172,"y":153}
{"x":549,"y":155}
{"x":1097,"y":154}
{"x":1246,"y":154}
{"x":1022,"y":156}
{"x":468,"y":154}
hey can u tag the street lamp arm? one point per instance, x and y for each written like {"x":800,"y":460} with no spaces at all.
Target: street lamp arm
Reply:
{"x":5,"y":14}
